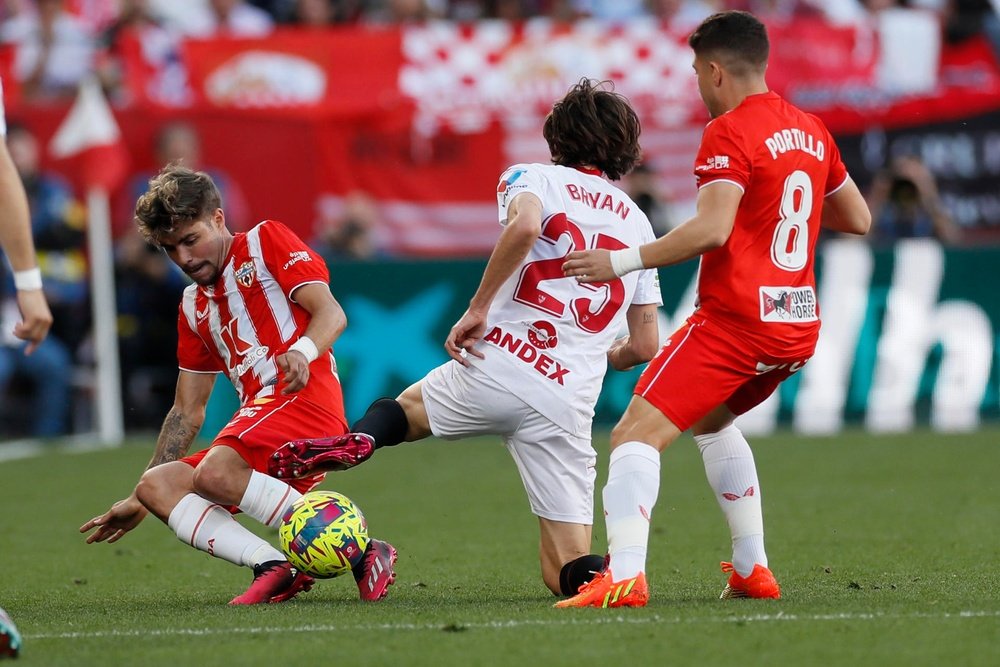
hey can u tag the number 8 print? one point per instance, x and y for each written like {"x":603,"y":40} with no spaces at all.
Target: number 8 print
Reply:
{"x":790,"y":246}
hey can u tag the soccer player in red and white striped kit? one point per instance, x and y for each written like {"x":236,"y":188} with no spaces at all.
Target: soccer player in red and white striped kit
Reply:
{"x":261,"y":311}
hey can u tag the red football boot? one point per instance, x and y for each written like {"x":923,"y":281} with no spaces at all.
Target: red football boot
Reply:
{"x":274,"y":581}
{"x":300,"y":458}
{"x":374,"y":573}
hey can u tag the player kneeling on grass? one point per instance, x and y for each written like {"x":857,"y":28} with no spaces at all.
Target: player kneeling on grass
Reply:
{"x":530,"y":353}
{"x":260,"y":310}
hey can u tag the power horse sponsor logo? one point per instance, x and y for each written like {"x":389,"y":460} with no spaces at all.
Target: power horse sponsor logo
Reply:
{"x":788,"y":304}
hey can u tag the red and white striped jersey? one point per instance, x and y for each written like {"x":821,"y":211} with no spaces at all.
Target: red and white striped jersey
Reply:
{"x":249,"y":317}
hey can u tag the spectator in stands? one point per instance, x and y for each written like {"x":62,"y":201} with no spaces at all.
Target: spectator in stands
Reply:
{"x":405,"y":11}
{"x":179,"y":142}
{"x":54,"y":50}
{"x":148,"y":288}
{"x":344,"y":231}
{"x":239,"y":19}
{"x":682,"y":14}
{"x":641,"y":185}
{"x":314,"y":13}
{"x":136,"y":25}
{"x":967,"y":18}
{"x":905,"y":203}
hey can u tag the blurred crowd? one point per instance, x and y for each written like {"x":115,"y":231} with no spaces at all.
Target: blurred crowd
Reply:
{"x":58,"y":42}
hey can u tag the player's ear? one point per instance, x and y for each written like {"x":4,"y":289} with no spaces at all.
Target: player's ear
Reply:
{"x":219,"y":218}
{"x":716,"y":73}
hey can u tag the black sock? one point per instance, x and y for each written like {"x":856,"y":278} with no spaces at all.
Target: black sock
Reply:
{"x":385,"y":421}
{"x":578,"y":572}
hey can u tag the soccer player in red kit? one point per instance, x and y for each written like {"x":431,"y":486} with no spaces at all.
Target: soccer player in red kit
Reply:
{"x":769,"y":176}
{"x":260,"y":310}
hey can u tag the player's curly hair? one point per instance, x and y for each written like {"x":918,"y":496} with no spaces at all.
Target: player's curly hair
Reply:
{"x":737,"y":36}
{"x":176,"y":195}
{"x":596,"y":127}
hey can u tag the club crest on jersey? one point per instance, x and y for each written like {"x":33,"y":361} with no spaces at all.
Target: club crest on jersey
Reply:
{"x":788,"y":304}
{"x":542,"y":335}
{"x":245,"y":274}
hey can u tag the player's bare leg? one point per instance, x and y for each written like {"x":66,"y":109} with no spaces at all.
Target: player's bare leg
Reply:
{"x":565,"y":556}
{"x":176,"y":493}
{"x":161,"y":488}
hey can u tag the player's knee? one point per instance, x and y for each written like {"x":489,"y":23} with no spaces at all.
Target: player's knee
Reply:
{"x":150,"y":488}
{"x":208,"y":481}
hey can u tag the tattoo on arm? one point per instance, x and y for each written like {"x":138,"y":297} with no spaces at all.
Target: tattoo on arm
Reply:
{"x":648,"y":318}
{"x":176,"y":436}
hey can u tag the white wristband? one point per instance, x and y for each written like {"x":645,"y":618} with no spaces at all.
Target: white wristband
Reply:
{"x":306,"y":347}
{"x":625,"y":261}
{"x":28,"y":279}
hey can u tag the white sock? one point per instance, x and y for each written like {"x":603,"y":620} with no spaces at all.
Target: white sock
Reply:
{"x":212,"y":529}
{"x":732,"y":474}
{"x":629,"y":496}
{"x":267,"y":499}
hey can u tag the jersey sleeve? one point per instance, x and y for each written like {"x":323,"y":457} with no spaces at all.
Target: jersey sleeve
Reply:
{"x":289,"y":259}
{"x":722,"y":156}
{"x":647,"y":290}
{"x":192,"y":355}
{"x":517,"y":179}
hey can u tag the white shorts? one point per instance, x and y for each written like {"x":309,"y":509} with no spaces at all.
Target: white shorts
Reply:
{"x":558,"y":469}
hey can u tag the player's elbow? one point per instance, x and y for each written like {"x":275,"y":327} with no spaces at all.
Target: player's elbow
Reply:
{"x":862,"y":221}
{"x":715,"y":236}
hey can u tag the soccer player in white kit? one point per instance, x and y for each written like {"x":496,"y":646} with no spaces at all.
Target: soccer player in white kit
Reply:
{"x":530,"y":353}
{"x":19,"y":247}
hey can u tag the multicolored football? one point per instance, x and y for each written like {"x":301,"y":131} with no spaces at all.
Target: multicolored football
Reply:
{"x":323,"y":534}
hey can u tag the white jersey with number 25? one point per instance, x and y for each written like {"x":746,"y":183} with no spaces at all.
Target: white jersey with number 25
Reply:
{"x":547,"y":336}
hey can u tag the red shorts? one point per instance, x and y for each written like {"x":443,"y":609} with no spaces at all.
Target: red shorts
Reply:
{"x":702,"y":366}
{"x":260,"y":427}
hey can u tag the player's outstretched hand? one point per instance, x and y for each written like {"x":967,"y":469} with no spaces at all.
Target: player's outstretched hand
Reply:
{"x":294,"y":371}
{"x":113,"y":524}
{"x":469,"y":329}
{"x":589,"y":266}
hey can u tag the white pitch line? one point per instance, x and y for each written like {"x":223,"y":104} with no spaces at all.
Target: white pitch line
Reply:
{"x":513,"y":623}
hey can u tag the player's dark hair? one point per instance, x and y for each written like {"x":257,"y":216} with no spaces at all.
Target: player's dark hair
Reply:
{"x":175,"y":196}
{"x":596,"y":127}
{"x":735,"y":36}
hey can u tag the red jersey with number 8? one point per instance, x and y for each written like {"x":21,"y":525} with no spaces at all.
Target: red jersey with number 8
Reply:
{"x":761,"y":282}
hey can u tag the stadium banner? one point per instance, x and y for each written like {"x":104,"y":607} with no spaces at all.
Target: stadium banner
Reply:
{"x":438,"y":110}
{"x":911,"y":337}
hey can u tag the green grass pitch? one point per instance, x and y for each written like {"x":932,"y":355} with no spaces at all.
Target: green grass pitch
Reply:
{"x":887,"y":549}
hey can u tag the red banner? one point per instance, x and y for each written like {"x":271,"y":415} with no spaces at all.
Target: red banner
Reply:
{"x":423,"y":118}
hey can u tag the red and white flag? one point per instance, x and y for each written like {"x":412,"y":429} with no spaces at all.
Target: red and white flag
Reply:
{"x":90,"y":140}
